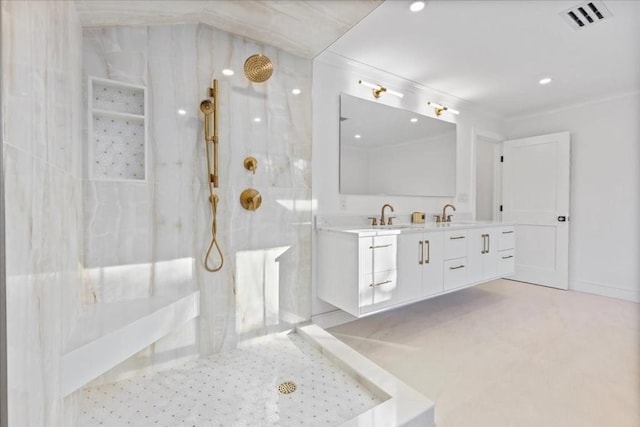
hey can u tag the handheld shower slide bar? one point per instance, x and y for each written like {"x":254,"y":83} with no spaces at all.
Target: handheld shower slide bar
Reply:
{"x":210,"y":109}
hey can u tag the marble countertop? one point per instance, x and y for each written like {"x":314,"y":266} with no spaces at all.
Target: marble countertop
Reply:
{"x":367,"y":231}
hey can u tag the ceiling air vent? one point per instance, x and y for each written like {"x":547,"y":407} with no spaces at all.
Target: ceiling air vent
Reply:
{"x":586,"y":14}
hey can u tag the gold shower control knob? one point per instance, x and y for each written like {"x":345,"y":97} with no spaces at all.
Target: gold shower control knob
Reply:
{"x":251,"y":164}
{"x":250,"y":199}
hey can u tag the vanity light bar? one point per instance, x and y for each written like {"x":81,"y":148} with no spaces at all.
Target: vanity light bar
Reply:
{"x":441,"y":108}
{"x":379,"y":90}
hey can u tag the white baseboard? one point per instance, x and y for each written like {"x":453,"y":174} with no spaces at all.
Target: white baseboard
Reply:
{"x":604,"y":290}
{"x":332,"y":318}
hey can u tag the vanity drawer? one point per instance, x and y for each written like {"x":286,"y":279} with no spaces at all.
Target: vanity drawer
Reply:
{"x":455,"y":244}
{"x":378,"y":253}
{"x":455,"y":273}
{"x":378,"y":290}
{"x":506,"y":238}
{"x":506,"y":262}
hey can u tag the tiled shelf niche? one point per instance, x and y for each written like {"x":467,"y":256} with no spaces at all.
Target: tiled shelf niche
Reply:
{"x":117,"y":131}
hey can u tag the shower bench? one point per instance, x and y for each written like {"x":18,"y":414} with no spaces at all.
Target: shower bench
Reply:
{"x":108,"y":334}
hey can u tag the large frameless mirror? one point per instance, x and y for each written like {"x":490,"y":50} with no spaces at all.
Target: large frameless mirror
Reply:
{"x":390,"y":151}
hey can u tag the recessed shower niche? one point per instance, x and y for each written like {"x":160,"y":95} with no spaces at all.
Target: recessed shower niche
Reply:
{"x":117,"y":131}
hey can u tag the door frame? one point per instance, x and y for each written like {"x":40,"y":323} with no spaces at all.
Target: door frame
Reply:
{"x":498,"y":139}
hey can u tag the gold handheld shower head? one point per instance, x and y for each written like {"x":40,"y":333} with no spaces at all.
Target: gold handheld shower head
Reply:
{"x":207,"y":107}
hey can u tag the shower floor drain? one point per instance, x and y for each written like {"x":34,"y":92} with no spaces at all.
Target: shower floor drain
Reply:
{"x":287,"y":387}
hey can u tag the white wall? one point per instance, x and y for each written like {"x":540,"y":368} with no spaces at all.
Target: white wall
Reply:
{"x":605,"y":191}
{"x":331,"y":76}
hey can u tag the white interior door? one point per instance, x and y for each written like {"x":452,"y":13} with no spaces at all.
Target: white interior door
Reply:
{"x":536,"y":198}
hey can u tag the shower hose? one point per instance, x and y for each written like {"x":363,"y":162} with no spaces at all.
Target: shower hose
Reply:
{"x":213,"y":200}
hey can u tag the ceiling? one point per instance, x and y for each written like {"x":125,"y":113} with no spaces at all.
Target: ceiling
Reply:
{"x":489,"y":53}
{"x":493,"y":53}
{"x":302,"y":27}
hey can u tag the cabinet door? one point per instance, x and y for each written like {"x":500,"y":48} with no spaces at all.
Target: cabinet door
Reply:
{"x":433,"y":256}
{"x":475,"y":258}
{"x":490,"y":257}
{"x":410,"y":265}
{"x":483,"y":254}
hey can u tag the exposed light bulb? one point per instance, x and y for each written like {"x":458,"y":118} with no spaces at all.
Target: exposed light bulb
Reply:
{"x":414,"y":120}
{"x":416,"y":6}
{"x":257,"y":120}
{"x":182,"y":112}
{"x":545,"y":81}
{"x":228,"y":72}
{"x":357,"y":136}
{"x":296,"y":91}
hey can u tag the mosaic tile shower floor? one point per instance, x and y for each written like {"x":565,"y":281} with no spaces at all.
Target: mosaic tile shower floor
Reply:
{"x":237,"y":388}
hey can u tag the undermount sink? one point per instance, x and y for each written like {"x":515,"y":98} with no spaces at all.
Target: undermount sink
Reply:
{"x":394,"y":227}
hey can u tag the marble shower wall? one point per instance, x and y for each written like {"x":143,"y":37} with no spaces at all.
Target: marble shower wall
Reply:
{"x":149,"y":238}
{"x":41,"y":109}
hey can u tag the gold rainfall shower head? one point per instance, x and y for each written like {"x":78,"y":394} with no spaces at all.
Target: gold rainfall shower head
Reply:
{"x":258,"y":68}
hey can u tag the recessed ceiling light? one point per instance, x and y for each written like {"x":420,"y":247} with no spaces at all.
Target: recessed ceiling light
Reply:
{"x":296,"y":91}
{"x":182,"y":112}
{"x":416,"y":6}
{"x":357,"y":136}
{"x":228,"y":72}
{"x":414,"y":119}
{"x":257,"y":120}
{"x":545,"y":81}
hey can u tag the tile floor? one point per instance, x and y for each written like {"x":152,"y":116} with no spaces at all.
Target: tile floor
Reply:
{"x":508,"y":354}
{"x":237,"y":388}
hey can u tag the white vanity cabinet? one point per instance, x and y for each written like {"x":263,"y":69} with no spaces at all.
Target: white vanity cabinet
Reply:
{"x":420,"y":258}
{"x":363,"y":271}
{"x":487,"y":246}
{"x":369,"y":261}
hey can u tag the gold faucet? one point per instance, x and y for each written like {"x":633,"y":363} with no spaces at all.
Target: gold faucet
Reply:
{"x":445,"y":217}
{"x":382,"y":214}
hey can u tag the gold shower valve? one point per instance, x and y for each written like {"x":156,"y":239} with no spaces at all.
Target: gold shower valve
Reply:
{"x":251,"y":164}
{"x":250,"y":199}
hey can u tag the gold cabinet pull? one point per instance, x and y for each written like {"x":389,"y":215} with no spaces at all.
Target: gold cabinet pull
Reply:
{"x":421,"y":258}
{"x":507,"y":232}
{"x":379,"y":246}
{"x":381,"y":283}
{"x":455,"y":268}
{"x":428,"y":245}
{"x":456,"y":237}
{"x":507,"y":257}
{"x":486,"y":244}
